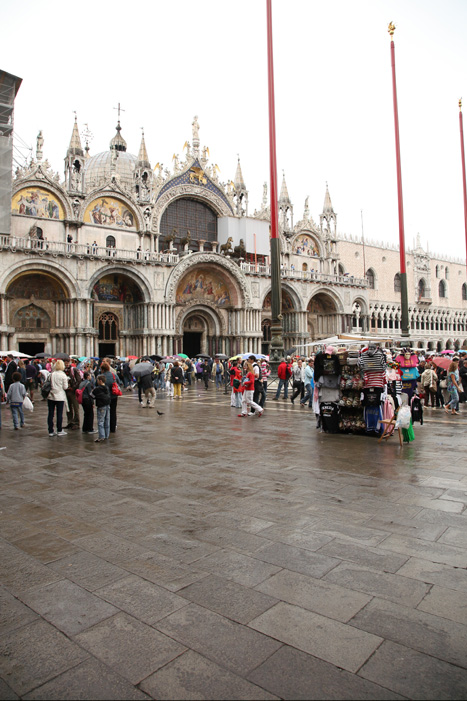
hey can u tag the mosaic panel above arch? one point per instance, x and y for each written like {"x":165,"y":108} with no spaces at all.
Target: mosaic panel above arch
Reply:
{"x":287,"y":303}
{"x":37,"y":285}
{"x":306,"y":245}
{"x":110,"y":211}
{"x":116,"y":288}
{"x":204,"y":284}
{"x":37,"y":202}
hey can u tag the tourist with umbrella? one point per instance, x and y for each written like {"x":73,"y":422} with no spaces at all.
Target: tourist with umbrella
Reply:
{"x":143,"y":372}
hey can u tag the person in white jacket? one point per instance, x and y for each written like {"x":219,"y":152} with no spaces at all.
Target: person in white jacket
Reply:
{"x":57,"y":398}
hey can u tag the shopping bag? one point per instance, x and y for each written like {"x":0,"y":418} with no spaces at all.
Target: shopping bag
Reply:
{"x":27,"y":404}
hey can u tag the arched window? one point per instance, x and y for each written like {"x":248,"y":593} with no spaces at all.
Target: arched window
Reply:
{"x":110,"y":242}
{"x":185,"y":215}
{"x":266,"y":330}
{"x":108,"y":327}
{"x":437,"y":271}
{"x":442,"y":289}
{"x":421,"y":288}
{"x":464,"y":292}
{"x":397,"y":282}
{"x":370,"y":276}
{"x":446,"y":273}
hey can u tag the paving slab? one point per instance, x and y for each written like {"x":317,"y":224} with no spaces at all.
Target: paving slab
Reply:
{"x":131,"y":648}
{"x":322,"y":637}
{"x":229,"y":644}
{"x":35,"y":653}
{"x":292,"y":674}
{"x":414,"y":674}
{"x":192,"y":676}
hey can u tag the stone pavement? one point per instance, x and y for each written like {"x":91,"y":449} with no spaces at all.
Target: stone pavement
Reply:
{"x":201,"y":556}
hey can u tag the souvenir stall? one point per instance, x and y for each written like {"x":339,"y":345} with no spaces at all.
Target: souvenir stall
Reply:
{"x":355,"y":389}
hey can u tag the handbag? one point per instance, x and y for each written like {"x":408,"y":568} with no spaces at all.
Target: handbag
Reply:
{"x":27,"y":404}
{"x":443,"y":384}
{"x":79,"y":395}
{"x":116,"y":391}
{"x":236,"y":382}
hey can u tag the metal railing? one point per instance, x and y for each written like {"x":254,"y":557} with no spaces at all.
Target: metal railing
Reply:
{"x":60,"y":248}
{"x":307,"y":275}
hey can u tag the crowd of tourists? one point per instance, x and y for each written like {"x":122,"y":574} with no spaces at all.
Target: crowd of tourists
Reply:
{"x":95,"y":385}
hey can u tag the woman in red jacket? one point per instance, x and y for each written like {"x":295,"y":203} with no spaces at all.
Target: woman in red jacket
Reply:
{"x":236,"y":384}
{"x":248,"y":391}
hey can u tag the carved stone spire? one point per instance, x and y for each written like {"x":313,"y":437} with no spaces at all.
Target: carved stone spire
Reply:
{"x":75,"y":148}
{"x":241,"y":193}
{"x":143,"y":159}
{"x":327,"y":207}
{"x":238,"y":181}
{"x":284,"y":195}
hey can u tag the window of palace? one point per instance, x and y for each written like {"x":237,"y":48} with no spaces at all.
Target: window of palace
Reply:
{"x":397,"y":283}
{"x":464,"y":292}
{"x":421,"y":288}
{"x":442,"y":289}
{"x":370,"y":276}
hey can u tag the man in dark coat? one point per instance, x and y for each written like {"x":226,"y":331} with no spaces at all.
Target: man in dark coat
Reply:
{"x":10,"y":369}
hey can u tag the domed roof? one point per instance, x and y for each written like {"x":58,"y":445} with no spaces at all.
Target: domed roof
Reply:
{"x":97,"y":169}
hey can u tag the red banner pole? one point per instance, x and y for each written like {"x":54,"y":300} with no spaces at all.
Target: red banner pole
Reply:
{"x":272,"y":126}
{"x":461,"y":125}
{"x":404,"y":295}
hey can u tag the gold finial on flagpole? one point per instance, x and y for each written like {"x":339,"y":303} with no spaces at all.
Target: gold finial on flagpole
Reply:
{"x":391,"y":29}
{"x":460,"y":103}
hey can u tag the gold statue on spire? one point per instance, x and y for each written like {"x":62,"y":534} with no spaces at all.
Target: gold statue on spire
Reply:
{"x":391,"y":29}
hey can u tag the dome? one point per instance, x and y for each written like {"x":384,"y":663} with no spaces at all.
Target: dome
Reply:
{"x":97,"y":169}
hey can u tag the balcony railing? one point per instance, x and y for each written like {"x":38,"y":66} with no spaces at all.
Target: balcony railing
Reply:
{"x":307,"y":275}
{"x":59,"y":248}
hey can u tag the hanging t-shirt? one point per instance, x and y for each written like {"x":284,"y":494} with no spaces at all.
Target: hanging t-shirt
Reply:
{"x":330,"y":417}
{"x":371,"y":396}
{"x":326,"y":365}
{"x":374,"y":378}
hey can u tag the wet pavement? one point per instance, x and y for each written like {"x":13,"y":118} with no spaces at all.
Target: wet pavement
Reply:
{"x":197,"y":555}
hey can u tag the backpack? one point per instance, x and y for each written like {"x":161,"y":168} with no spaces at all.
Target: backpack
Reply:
{"x":46,"y":387}
{"x":74,"y":378}
{"x":79,"y":395}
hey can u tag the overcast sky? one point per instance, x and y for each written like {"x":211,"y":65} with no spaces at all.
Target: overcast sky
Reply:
{"x":167,"y":61}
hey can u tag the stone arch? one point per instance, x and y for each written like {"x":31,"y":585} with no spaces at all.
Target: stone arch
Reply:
{"x":208,"y":196}
{"x":223,"y":265}
{"x":126,"y":271}
{"x":48,"y":268}
{"x":323,"y":315}
{"x":291,"y":301}
{"x":207,"y":312}
{"x":330,"y":293}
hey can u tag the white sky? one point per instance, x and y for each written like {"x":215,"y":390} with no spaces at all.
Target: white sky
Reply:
{"x":167,"y":61}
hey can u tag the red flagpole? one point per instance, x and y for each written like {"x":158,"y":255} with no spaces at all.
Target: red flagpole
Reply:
{"x":272,"y":126}
{"x":463,"y":174}
{"x":404,"y":296}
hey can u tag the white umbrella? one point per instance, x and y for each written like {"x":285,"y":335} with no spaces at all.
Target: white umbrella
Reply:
{"x":15,"y":354}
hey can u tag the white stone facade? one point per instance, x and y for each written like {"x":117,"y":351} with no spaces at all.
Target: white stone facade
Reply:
{"x":125,"y":259}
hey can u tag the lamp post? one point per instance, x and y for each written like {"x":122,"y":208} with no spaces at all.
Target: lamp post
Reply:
{"x":404,"y":296}
{"x":277,"y":343}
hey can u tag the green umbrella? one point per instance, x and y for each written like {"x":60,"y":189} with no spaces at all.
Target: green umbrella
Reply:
{"x":182,"y":355}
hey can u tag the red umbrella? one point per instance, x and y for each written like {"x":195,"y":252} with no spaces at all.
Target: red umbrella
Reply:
{"x":442,"y":362}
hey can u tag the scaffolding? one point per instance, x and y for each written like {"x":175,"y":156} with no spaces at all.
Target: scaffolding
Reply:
{"x":9,"y":86}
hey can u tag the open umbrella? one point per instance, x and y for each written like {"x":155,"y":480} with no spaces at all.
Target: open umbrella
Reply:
{"x":156,"y":357}
{"x":16,"y":354}
{"x":182,"y":355}
{"x":442,"y":362}
{"x":222,"y":356}
{"x":132,"y":357}
{"x":447,"y":352}
{"x":42,"y":355}
{"x":61,"y":356}
{"x":141,"y":369}
{"x":203,"y":355}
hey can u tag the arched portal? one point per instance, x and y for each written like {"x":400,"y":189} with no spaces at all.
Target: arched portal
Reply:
{"x":188,"y":221}
{"x":323,"y":318}
{"x":38,"y":302}
{"x":118,"y":306}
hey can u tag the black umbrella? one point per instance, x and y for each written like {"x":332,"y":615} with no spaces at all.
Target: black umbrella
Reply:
{"x":290,"y":351}
{"x":42,"y":355}
{"x":221,"y":356}
{"x":141,"y":369}
{"x":61,"y":356}
{"x":156,"y":357}
{"x":203,"y":355}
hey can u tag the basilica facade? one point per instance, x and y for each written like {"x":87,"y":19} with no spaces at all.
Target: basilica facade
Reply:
{"x":120,"y":257}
